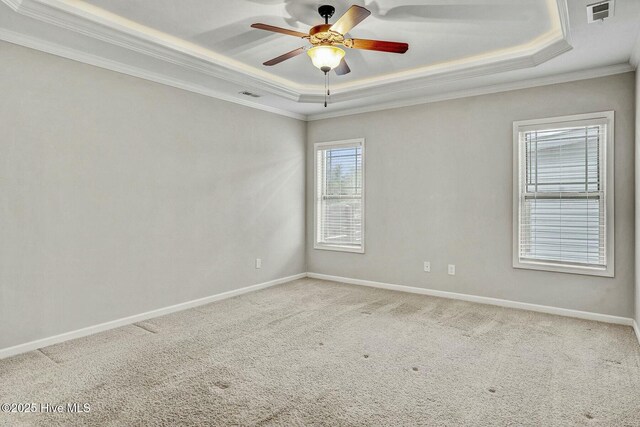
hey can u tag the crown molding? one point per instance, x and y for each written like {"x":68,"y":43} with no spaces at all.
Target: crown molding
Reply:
{"x":78,"y":17}
{"x":635,"y":53}
{"x":58,"y":50}
{"x":485,"y":90}
{"x":13,"y":4}
{"x":447,"y":75}
{"x":97,"y":61}
{"x":545,"y":50}
{"x":563,"y":14}
{"x":65,"y":16}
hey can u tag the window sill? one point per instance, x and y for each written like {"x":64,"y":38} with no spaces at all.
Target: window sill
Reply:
{"x":569,"y":269}
{"x":338,"y":248}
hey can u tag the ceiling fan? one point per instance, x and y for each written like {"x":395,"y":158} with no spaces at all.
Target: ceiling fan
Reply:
{"x":325,"y":39}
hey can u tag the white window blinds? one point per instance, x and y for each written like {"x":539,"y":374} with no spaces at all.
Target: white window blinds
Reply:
{"x":562,"y":193}
{"x":339,"y":196}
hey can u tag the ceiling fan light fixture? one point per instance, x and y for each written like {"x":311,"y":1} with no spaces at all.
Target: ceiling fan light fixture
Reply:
{"x":326,"y":58}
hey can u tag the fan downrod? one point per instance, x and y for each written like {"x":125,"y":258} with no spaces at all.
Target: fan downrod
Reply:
{"x":326,"y":11}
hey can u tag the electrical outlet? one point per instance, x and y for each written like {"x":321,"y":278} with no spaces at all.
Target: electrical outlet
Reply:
{"x":258,"y":262}
{"x":452,"y":270}
{"x":427,"y":266}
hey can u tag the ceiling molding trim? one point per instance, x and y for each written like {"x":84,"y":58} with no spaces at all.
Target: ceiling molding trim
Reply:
{"x":61,"y":15}
{"x":635,"y":53}
{"x":563,"y":13}
{"x":486,"y":90}
{"x":550,"y":52}
{"x":446,"y":75}
{"x":13,"y":4}
{"x":71,"y":17}
{"x":545,"y":49}
{"x":97,"y":61}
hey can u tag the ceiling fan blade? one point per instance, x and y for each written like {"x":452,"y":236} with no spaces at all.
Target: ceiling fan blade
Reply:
{"x":350,"y":19}
{"x":286,"y":56}
{"x":343,"y":68}
{"x":379,"y":45}
{"x":279,"y":30}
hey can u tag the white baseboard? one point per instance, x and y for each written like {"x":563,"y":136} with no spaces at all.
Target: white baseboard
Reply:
{"x":44,"y":342}
{"x":482,"y":300}
{"x":34,"y":345}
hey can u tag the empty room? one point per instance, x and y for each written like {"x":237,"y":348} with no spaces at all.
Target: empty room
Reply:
{"x":319,"y":213}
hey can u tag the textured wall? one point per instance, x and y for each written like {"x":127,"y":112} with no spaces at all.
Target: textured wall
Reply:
{"x":120,"y":196}
{"x":439,"y":189}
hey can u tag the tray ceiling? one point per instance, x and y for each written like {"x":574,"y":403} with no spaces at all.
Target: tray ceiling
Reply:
{"x":438,"y":32}
{"x":210,"y":45}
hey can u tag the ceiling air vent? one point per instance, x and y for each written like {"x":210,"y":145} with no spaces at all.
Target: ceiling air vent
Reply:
{"x":251,"y":94}
{"x":598,"y":12}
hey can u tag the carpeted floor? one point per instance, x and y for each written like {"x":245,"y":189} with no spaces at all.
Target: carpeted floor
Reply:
{"x":311,"y":352}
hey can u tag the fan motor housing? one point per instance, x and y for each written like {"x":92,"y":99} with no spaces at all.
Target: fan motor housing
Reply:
{"x":321,"y":34}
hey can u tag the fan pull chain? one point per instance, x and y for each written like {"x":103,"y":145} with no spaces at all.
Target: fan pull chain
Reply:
{"x":327,"y":92}
{"x":326,"y":88}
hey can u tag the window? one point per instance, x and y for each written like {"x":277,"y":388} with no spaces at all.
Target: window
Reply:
{"x":339,"y":196}
{"x":563,"y":194}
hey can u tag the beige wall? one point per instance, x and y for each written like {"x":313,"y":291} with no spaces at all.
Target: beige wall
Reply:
{"x":439,"y":189}
{"x":120,"y":196}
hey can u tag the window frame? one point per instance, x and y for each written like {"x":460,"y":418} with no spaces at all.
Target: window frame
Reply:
{"x":328,"y":247}
{"x":607,"y":184}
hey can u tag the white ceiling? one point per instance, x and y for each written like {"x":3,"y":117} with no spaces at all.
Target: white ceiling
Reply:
{"x":456,"y":46}
{"x":437,"y":31}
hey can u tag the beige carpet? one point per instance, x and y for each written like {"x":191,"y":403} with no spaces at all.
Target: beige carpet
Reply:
{"x":320,"y":353}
